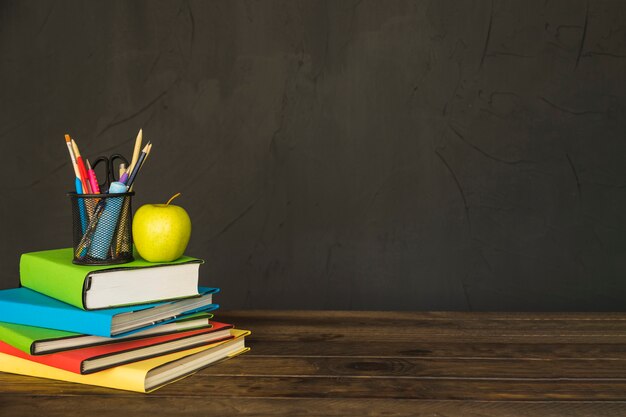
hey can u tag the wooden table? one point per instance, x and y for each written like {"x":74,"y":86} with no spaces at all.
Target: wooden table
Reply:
{"x":375,"y":363}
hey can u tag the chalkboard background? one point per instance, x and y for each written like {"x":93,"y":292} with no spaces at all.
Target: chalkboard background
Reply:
{"x":458,"y":155}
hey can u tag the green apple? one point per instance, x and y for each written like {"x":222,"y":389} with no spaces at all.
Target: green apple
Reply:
{"x":161,"y":232}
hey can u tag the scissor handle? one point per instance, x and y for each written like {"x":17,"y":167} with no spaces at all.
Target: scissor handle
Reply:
{"x":112,"y":170}
{"x":105,"y":184}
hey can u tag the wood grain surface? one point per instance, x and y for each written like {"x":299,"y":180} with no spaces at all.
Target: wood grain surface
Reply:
{"x":379,"y":363}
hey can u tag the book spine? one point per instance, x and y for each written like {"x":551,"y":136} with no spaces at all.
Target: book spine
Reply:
{"x":63,"y":282}
{"x":54,"y":360}
{"x":70,"y":320}
{"x":15,"y":339}
{"x":119,"y":378}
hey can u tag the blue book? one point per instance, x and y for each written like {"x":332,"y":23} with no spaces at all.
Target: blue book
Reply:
{"x":25,"y":306}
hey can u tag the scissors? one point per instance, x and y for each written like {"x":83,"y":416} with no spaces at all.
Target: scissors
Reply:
{"x":110,"y":167}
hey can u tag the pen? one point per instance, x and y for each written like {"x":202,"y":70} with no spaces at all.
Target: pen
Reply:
{"x":93,"y":181}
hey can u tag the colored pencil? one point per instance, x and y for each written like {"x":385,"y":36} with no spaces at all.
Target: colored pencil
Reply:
{"x":81,"y":169}
{"x":138,"y":165}
{"x":136,"y":151}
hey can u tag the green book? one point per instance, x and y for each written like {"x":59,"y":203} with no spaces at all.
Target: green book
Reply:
{"x":40,"y":341}
{"x":91,"y":287}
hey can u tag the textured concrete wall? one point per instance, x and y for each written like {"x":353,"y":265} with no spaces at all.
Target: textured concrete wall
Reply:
{"x":340,"y":154}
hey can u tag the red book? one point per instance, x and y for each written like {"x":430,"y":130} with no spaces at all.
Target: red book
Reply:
{"x":96,"y":358}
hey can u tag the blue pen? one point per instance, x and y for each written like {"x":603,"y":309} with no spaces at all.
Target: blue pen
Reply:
{"x":81,"y":205}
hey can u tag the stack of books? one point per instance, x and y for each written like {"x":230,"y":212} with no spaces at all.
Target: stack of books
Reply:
{"x":136,"y":326}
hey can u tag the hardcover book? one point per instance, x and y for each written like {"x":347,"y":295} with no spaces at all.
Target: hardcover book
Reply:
{"x":96,"y":358}
{"x":142,"y":376}
{"x":25,"y":306}
{"x":40,"y":341}
{"x":52,"y":273}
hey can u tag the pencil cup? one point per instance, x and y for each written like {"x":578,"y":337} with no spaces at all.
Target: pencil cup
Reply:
{"x":101,"y":225}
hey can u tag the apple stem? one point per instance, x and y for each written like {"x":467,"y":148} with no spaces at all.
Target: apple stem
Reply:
{"x":170,"y":200}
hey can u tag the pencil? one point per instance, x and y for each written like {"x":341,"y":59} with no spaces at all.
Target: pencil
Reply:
{"x":139,"y":164}
{"x":136,"y":151}
{"x":147,"y":153}
{"x":149,"y":148}
{"x":81,"y":169}
{"x":144,"y":161}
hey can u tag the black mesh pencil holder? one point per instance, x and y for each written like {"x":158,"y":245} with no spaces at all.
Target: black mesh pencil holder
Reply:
{"x":102,"y":225}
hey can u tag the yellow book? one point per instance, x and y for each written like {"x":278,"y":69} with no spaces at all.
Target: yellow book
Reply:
{"x":143,"y":376}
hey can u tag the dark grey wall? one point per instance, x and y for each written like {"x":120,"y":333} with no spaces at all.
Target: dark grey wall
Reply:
{"x":348,"y":155}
